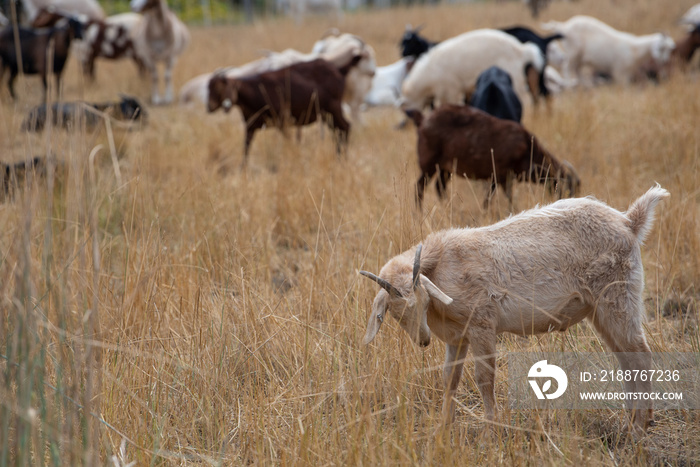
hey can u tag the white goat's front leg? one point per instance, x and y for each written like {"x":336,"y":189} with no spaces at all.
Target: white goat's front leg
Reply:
{"x":451,"y":375}
{"x":483,"y":342}
{"x":153,"y":71}
{"x":169,"y":64}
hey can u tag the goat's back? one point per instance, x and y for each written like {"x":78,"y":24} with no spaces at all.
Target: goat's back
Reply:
{"x":572,"y":246}
{"x":300,"y":80}
{"x":472,"y":142}
{"x":452,"y":67}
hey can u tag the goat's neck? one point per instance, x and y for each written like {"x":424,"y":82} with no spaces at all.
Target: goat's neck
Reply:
{"x":159,"y":25}
{"x":158,"y":11}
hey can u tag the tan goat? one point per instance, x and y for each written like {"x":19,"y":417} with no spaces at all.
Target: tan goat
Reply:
{"x":542,"y":270}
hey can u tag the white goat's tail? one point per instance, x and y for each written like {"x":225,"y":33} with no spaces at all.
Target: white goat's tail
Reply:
{"x":640,"y":214}
{"x":534,"y":56}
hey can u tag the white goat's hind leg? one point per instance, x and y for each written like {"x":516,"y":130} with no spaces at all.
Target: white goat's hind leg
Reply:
{"x":451,"y":375}
{"x":626,"y":339}
{"x":483,"y":342}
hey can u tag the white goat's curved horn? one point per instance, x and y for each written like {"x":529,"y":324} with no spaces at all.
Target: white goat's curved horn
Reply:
{"x":385,"y":284}
{"x":416,"y":266}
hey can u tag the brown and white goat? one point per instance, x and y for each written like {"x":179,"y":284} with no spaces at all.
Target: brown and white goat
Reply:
{"x":542,"y":270}
{"x":298,"y":94}
{"x":476,"y":145}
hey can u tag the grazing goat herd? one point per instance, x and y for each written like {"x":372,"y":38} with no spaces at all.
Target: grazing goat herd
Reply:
{"x":544,"y":269}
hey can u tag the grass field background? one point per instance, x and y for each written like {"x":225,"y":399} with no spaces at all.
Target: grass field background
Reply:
{"x":211,"y":316}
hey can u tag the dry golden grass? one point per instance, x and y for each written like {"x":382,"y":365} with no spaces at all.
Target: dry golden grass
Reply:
{"x":217,"y":319}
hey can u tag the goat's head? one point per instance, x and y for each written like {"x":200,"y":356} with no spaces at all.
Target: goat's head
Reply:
{"x":415,"y":115}
{"x":695,"y":33}
{"x":412,"y":44}
{"x":564,"y":182}
{"x":568,"y":181}
{"x":406,"y":298}
{"x":140,"y":6}
{"x":131,"y":108}
{"x":661,"y":49}
{"x":222,"y":93}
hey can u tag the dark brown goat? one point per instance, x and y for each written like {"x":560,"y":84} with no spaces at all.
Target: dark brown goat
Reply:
{"x":297,"y":95}
{"x":108,"y":39}
{"x":473,"y":144}
{"x":34,"y":45}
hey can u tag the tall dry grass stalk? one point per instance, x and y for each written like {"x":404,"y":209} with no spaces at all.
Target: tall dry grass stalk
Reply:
{"x":212,"y":316}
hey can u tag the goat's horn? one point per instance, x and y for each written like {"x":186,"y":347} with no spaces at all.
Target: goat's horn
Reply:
{"x":385,"y":284}
{"x":416,"y":266}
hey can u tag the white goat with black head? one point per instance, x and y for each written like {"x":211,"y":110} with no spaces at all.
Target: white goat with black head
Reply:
{"x":542,"y":270}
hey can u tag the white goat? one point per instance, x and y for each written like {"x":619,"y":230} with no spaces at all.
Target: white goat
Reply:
{"x":159,"y":37}
{"x":386,"y":85}
{"x":448,"y":71}
{"x":90,"y":8}
{"x":589,"y":42}
{"x":544,"y":269}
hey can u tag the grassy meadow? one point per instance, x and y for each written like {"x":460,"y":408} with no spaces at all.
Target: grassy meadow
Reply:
{"x":161,"y":306}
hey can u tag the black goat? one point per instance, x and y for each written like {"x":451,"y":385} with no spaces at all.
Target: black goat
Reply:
{"x":34,"y":45}
{"x":73,"y":114}
{"x":494,"y":94}
{"x":524,"y":35}
{"x":412,"y":44}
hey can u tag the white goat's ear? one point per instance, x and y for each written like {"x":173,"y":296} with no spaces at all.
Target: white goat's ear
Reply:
{"x":376,"y":318}
{"x":434,"y":291}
